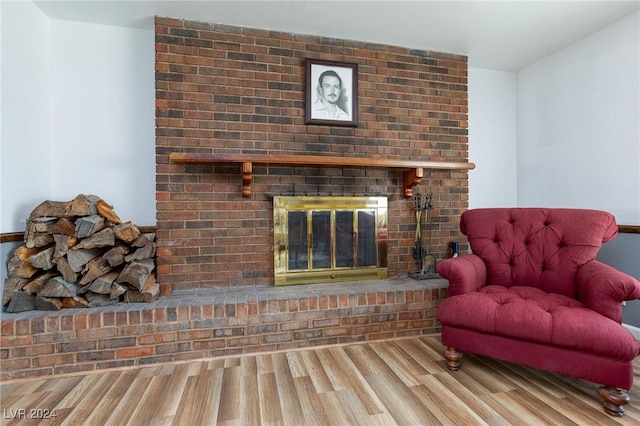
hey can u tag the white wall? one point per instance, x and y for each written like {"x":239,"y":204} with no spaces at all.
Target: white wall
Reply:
{"x":492,"y":138}
{"x":103,"y":103}
{"x":579,"y":125}
{"x":579,"y":135}
{"x":26,"y":146}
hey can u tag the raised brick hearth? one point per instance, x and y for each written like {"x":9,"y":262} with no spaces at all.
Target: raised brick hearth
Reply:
{"x":203,"y":323}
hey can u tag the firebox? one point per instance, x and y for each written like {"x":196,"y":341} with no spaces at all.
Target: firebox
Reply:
{"x":328,"y":239}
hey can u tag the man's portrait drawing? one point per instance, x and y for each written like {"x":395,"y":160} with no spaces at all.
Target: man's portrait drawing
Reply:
{"x":331,"y":93}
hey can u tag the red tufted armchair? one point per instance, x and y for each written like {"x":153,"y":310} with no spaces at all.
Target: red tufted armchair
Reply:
{"x":532,"y":293}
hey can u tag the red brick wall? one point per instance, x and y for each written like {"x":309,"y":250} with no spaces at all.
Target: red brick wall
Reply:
{"x":222,"y":88}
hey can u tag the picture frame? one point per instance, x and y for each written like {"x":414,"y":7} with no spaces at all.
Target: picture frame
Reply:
{"x":331,"y":93}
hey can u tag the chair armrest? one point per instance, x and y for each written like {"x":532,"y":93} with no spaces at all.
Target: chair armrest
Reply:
{"x":466,"y":273}
{"x":603,"y":288}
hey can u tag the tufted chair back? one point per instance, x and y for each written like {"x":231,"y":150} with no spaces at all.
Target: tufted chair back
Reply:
{"x":537,"y":247}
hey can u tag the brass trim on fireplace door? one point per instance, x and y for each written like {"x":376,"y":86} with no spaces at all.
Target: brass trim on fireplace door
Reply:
{"x":304,"y":269}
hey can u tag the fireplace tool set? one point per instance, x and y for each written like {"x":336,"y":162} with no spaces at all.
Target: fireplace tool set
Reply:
{"x":426,"y":261}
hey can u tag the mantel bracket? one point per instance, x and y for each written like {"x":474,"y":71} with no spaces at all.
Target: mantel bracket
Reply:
{"x":410,"y":179}
{"x":247,"y":175}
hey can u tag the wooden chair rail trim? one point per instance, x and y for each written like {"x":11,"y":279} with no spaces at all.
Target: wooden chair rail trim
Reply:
{"x":18,"y":237}
{"x":413,"y":171}
{"x":629,"y":229}
{"x":12,"y":237}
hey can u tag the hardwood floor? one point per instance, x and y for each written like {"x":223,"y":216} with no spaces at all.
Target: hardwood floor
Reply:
{"x":398,"y":382}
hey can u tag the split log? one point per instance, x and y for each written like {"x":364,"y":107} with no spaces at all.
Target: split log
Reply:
{"x":11,"y":285}
{"x":48,"y":303}
{"x":43,"y":259}
{"x":136,"y":273}
{"x":115,"y":256}
{"x":146,"y":252}
{"x":39,"y":240}
{"x":21,"y":301}
{"x":106,"y":211}
{"x":100,"y":287}
{"x":96,"y":300}
{"x":65,"y":269}
{"x":117,"y":290}
{"x":144,"y":239}
{"x":65,"y":226}
{"x":42,"y":225}
{"x":84,"y":289}
{"x":82,"y":205}
{"x":58,"y":287}
{"x":35,"y":285}
{"x":63,"y":243}
{"x":39,"y":232}
{"x":75,"y":302}
{"x":18,"y":266}
{"x":148,"y":284}
{"x":95,"y":268}
{"x":24,"y":252}
{"x":49,"y":209}
{"x":104,"y":283}
{"x":126,"y":232}
{"x":149,"y":293}
{"x":78,"y":258}
{"x":89,"y":225}
{"x":104,"y":238}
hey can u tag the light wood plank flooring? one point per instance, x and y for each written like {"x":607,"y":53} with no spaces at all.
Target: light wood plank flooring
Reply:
{"x":397,"y":382}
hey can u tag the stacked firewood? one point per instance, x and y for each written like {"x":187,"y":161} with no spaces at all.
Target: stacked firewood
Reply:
{"x":80,"y":254}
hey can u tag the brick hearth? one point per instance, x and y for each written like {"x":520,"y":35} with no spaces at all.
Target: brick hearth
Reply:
{"x":203,"y":323}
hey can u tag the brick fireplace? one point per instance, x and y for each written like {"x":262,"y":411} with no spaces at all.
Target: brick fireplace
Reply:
{"x":232,"y":90}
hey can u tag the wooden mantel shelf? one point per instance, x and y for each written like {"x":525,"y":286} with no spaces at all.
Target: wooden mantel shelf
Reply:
{"x":413,"y":171}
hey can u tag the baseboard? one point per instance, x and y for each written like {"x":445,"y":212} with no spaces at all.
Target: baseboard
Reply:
{"x":634,"y":330}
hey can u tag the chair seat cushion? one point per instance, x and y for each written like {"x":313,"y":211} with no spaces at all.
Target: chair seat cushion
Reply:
{"x":530,"y":314}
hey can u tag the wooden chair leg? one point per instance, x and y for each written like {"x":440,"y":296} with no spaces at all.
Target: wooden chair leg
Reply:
{"x":614,"y":400}
{"x":453,"y":358}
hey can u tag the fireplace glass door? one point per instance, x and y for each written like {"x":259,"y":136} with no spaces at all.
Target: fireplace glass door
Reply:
{"x":323,"y":239}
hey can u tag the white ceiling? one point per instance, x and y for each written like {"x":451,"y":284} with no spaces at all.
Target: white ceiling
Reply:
{"x":499,"y":35}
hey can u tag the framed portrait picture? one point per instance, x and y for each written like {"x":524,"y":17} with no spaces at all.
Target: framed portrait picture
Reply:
{"x":332,"y":93}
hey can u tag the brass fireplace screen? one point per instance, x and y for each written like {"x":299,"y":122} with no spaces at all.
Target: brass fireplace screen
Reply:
{"x":326,"y":239}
